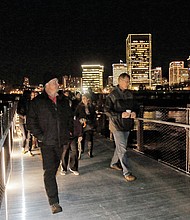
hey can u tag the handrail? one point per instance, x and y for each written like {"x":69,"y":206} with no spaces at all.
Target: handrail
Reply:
{"x":163,"y":122}
{"x":170,"y":146}
{"x":7,"y":126}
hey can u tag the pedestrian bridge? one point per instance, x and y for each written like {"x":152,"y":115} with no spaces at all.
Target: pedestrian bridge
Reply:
{"x":160,"y":191}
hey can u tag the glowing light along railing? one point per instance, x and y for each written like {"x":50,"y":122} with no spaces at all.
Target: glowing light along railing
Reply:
{"x":6,"y":139}
{"x":23,"y":190}
{"x":3,"y":166}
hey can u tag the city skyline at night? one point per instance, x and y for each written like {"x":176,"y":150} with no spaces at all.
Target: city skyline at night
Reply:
{"x":40,"y":36}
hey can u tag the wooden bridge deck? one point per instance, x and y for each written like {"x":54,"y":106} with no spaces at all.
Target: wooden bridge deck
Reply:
{"x":98,"y":193}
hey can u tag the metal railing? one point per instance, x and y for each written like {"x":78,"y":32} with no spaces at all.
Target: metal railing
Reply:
{"x":164,"y":134}
{"x":7,"y":126}
{"x":170,"y":114}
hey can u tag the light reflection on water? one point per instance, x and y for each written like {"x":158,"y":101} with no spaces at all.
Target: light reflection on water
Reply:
{"x":164,"y":115}
{"x":172,"y":116}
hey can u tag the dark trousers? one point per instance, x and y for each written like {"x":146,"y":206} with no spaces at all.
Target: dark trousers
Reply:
{"x":30,"y":137}
{"x":70,"y":155}
{"x":51,"y":156}
{"x":88,"y":140}
{"x":25,"y":136}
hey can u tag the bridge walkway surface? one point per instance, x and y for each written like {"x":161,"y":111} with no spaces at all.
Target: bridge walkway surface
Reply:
{"x":99,"y":192}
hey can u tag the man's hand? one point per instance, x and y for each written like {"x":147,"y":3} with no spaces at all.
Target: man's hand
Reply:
{"x":126,"y":115}
{"x":133,"y":115}
{"x":129,"y":115}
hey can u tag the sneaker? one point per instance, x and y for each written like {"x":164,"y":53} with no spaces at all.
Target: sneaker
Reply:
{"x":76,"y":173}
{"x":130,"y":178}
{"x":31,"y":154}
{"x":24,"y":151}
{"x":63,"y":172}
{"x":115,"y":167}
{"x":55,"y":208}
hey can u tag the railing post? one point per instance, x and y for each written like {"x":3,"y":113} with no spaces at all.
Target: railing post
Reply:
{"x":139,"y":135}
{"x":188,"y":114}
{"x":188,"y":140}
{"x":187,"y":150}
{"x":1,"y":124}
{"x":140,"y":130}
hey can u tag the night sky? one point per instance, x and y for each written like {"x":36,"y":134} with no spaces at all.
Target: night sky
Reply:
{"x":59,"y":35}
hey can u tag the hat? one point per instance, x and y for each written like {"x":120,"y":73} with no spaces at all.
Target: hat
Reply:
{"x":49,"y":76}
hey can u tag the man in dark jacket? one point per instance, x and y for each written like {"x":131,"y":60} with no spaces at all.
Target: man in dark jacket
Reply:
{"x":119,"y":107}
{"x":22,"y":108}
{"x":50,"y":120}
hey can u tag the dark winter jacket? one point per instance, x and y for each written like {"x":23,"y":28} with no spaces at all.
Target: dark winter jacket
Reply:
{"x":49,"y":122}
{"x":119,"y":101}
{"x":90,"y":118}
{"x":23,"y":105}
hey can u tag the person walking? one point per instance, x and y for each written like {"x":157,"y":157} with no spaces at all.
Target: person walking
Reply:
{"x":77,"y":99}
{"x":22,"y":108}
{"x":70,"y":155}
{"x":50,"y":120}
{"x":120,"y":108}
{"x":31,"y":138}
{"x":85,"y":113}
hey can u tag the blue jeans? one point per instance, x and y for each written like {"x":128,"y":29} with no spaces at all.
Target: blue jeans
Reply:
{"x":120,"y":153}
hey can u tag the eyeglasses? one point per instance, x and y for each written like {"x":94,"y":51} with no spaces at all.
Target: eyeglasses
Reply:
{"x":125,"y":80}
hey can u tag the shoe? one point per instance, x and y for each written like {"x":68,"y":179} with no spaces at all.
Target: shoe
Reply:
{"x":24,"y":151}
{"x":55,"y":208}
{"x":115,"y":167}
{"x":31,"y":154}
{"x":130,"y":178}
{"x":63,"y":172}
{"x":34,"y":146}
{"x":76,"y":173}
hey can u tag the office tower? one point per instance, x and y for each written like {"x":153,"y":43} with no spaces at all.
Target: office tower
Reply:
{"x":188,"y":65}
{"x":92,"y":77}
{"x":177,"y":73}
{"x":117,"y":69}
{"x":156,"y":77}
{"x":26,"y":81}
{"x":110,"y":81}
{"x":64,"y":81}
{"x":2,"y":85}
{"x":71,"y":83}
{"x":139,"y":59}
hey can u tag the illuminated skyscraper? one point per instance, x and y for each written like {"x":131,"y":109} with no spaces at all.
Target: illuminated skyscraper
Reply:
{"x":139,"y":59}
{"x":26,"y":81}
{"x":72,"y":83}
{"x":92,"y":77}
{"x":188,"y":64}
{"x":156,"y":77}
{"x":177,"y":72}
{"x":118,"y":68}
{"x":110,"y":81}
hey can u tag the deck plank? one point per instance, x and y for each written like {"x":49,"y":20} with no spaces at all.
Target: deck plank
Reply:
{"x":98,"y":193}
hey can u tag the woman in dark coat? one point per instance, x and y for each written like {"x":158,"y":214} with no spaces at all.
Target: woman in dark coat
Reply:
{"x":85,"y":113}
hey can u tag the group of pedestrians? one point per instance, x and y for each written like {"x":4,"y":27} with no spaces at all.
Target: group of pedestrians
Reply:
{"x":61,"y":125}
{"x":84,"y":118}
